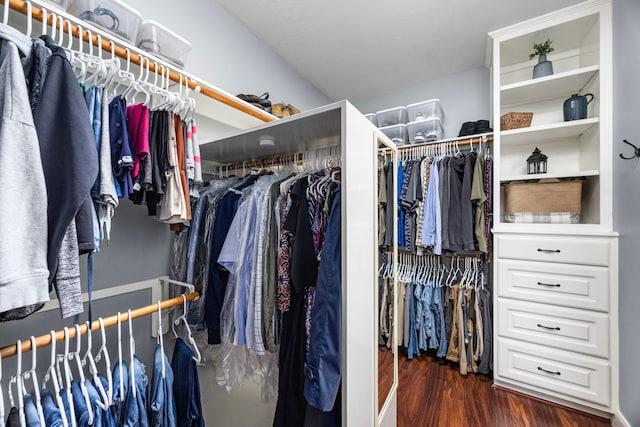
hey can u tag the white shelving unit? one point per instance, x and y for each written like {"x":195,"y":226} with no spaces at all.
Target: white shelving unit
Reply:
{"x":555,"y":300}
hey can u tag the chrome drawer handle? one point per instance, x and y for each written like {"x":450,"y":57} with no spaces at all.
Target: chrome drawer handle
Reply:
{"x":549,"y":328}
{"x":549,"y":372}
{"x":550,"y":251}
{"x":551,"y":285}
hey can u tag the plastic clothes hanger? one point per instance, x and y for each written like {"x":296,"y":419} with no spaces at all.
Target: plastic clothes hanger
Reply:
{"x":102,"y":352}
{"x":31,"y":374}
{"x":132,"y":351}
{"x":183,"y":318}
{"x":160,"y":340}
{"x":43,"y":30}
{"x":83,"y":387}
{"x":68,"y":377}
{"x":29,"y":23}
{"x":18,"y":381}
{"x":93,"y":370}
{"x":120,"y":368}
{"x":50,"y":374}
{"x":1,"y":397}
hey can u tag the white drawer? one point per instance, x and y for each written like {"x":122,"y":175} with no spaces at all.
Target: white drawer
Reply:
{"x":556,"y":371}
{"x":565,"y":328}
{"x":569,"y":285}
{"x":565,"y":249}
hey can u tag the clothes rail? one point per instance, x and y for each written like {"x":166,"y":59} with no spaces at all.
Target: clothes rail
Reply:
{"x":280,"y":160}
{"x":460,"y":141}
{"x":126,"y":53}
{"x":45,"y":340}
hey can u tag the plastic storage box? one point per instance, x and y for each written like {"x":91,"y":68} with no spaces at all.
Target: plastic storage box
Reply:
{"x":60,"y":4}
{"x":425,"y":130}
{"x":372,"y":118}
{"x":163,"y":42}
{"x":425,"y":110}
{"x":396,"y":133}
{"x":112,"y":15}
{"x":392,"y":116}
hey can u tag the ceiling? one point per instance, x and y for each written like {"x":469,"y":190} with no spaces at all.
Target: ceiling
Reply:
{"x":360,"y":49}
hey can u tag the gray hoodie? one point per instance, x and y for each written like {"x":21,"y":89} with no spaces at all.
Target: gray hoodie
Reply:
{"x":23,"y":223}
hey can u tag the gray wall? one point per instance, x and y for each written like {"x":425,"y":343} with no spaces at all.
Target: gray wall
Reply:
{"x":464,"y":97}
{"x":626,"y":193}
{"x":227,"y":54}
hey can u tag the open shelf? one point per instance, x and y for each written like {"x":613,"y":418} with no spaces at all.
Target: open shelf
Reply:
{"x":575,"y":174}
{"x":548,"y":87}
{"x":553,"y":131}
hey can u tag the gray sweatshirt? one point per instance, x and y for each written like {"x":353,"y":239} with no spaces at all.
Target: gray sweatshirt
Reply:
{"x":23,"y":224}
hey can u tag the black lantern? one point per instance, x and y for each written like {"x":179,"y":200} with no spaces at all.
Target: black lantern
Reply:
{"x":537,"y":162}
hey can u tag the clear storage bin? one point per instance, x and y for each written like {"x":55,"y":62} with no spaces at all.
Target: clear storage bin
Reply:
{"x":59,"y":4}
{"x":155,"y":38}
{"x":396,"y":133}
{"x":372,"y":118}
{"x":392,"y":116}
{"x":111,"y":15}
{"x":425,"y":110}
{"x":425,"y":130}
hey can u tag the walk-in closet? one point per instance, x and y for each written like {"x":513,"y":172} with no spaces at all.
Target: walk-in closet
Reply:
{"x":233,"y":213}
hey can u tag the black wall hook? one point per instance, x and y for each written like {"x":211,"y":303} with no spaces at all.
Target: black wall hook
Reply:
{"x":636,"y":151}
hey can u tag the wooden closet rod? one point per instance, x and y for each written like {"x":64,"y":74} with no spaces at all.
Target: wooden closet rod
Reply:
{"x":45,"y":340}
{"x":36,"y":13}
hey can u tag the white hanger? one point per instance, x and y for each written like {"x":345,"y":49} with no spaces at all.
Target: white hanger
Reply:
{"x":93,"y":370}
{"x":29,"y":17}
{"x":197,"y":357}
{"x":51,"y":375}
{"x":132,"y":351}
{"x":122,"y":396}
{"x":83,"y":387}
{"x":53,"y":26}
{"x":1,"y":397}
{"x":31,"y":374}
{"x":5,"y":16}
{"x":160,"y":340}
{"x":23,"y":420}
{"x":43,"y":30}
{"x":68,"y":377}
{"x":103,"y":352}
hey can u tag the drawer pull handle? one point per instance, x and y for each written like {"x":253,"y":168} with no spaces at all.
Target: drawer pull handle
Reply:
{"x":550,"y":285}
{"x":550,"y":251}
{"x":549,"y":372}
{"x":549,"y":328}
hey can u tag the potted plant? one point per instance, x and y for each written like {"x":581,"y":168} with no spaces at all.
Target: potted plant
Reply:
{"x":543,"y":67}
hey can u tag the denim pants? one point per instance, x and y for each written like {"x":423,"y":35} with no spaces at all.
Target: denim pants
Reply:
{"x":186,"y":387}
{"x":120,"y":391}
{"x":30,"y":412}
{"x":52,"y":415}
{"x":162,"y":406}
{"x":135,"y":407}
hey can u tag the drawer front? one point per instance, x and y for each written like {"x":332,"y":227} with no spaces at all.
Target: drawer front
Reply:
{"x":581,"y":377}
{"x":564,"y":249}
{"x":568,"y":285}
{"x":565,"y":328}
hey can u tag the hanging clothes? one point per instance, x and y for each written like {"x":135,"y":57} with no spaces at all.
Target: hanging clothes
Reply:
{"x":186,"y":386}
{"x":162,"y":406}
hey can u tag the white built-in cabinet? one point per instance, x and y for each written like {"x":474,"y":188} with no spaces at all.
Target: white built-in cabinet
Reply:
{"x":337,"y":125}
{"x":555,"y":296}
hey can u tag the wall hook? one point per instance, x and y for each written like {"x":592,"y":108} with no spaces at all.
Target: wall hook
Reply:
{"x":636,"y":151}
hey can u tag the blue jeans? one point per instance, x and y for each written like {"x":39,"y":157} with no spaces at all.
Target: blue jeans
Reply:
{"x":135,"y":408}
{"x":30,"y":412}
{"x":52,"y":415}
{"x":186,"y":387}
{"x":120,"y":396}
{"x":323,"y":368}
{"x":162,"y":407}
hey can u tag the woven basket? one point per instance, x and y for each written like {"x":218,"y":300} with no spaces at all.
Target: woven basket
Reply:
{"x":515,"y":120}
{"x":543,"y":197}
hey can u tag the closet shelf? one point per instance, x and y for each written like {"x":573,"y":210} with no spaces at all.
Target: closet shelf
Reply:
{"x":549,"y":87}
{"x":574,"y":174}
{"x":547,"y":132}
{"x":212,"y":102}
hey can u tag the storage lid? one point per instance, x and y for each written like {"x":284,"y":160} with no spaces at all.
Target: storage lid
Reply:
{"x":428,"y":101}
{"x":116,"y":3}
{"x":391,"y":110}
{"x":148,"y":24}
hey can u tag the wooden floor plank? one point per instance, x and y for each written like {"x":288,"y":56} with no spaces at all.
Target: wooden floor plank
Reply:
{"x":432,"y":393}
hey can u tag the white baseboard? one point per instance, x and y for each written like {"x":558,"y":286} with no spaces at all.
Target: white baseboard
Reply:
{"x":619,"y":420}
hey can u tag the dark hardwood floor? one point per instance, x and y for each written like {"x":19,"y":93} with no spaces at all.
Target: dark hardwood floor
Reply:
{"x":432,"y":393}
